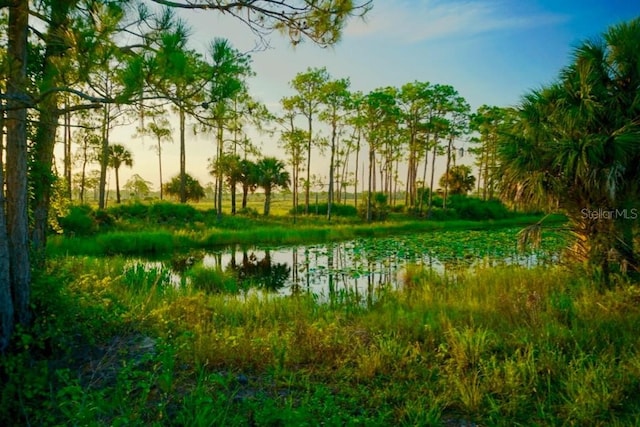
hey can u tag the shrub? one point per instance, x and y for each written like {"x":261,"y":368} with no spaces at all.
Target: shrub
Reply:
{"x":379,"y":207}
{"x":250,"y":212}
{"x":79,"y":221}
{"x":135,"y":210}
{"x":477,"y":209}
{"x":165,"y":212}
{"x":336,"y":209}
{"x":156,"y":213}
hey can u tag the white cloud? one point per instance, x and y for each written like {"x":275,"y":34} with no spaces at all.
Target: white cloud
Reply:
{"x":418,"y":20}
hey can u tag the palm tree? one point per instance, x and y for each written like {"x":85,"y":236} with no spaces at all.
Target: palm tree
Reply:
{"x":458,"y":180}
{"x":118,"y":156}
{"x":575,"y":146}
{"x":270,"y":174}
{"x":248,"y":178}
{"x":230,"y":166}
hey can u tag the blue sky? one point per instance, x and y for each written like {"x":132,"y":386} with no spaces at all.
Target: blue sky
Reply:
{"x":491,"y":51}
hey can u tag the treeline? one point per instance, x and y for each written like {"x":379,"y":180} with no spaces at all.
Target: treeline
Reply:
{"x":62,"y":62}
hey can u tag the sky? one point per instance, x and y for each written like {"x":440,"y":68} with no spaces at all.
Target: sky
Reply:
{"x":491,"y":51}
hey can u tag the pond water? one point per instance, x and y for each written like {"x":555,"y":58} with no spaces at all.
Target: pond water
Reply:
{"x":362,"y":265}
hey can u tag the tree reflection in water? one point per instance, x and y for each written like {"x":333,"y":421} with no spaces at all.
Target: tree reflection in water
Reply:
{"x":260,"y":273}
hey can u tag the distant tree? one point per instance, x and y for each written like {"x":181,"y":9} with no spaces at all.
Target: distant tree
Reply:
{"x":230,"y":167}
{"x":293,"y":141}
{"x":137,"y":186}
{"x":88,"y":151}
{"x":458,"y":125}
{"x":459,"y":180}
{"x":248,"y":179}
{"x":119,"y":156}
{"x":335,"y":98}
{"x":160,"y":129}
{"x":307,"y":100}
{"x":270,"y":174}
{"x":192,"y":189}
{"x":488,"y":122}
{"x":381,"y":114}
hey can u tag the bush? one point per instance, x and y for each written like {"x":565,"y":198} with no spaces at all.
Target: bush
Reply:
{"x":135,"y":210}
{"x":424,"y":193}
{"x":460,"y":206}
{"x":164,"y":212}
{"x":156,"y":213}
{"x":379,"y":207}
{"x":79,"y":221}
{"x":250,"y":212}
{"x":321,"y":209}
{"x":477,"y":209}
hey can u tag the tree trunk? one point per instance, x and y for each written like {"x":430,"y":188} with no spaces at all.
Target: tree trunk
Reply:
{"x":117,"y":186}
{"x":331,"y":170}
{"x":446,"y":173}
{"x":371,"y":177}
{"x":219,"y":174}
{"x":67,"y":151}
{"x":16,"y":156}
{"x":433,"y":171}
{"x":267,"y":200}
{"x":42,"y":176}
{"x":104,"y":158}
{"x":245,"y":193}
{"x":355,"y":176}
{"x":160,"y":164}
{"x":6,"y":305}
{"x":183,"y":188}
{"x":233,"y":197}
{"x":424,"y":179}
{"x":308,"y":183}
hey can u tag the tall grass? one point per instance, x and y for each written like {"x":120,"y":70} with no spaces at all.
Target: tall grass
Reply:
{"x":243,"y":231}
{"x":505,"y":346}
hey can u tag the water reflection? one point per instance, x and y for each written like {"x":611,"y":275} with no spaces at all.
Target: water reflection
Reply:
{"x":357,"y":268}
{"x":321,"y":269}
{"x":252,"y":268}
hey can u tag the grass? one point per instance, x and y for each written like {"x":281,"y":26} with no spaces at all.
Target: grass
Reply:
{"x":503,"y":346}
{"x":151,"y":238}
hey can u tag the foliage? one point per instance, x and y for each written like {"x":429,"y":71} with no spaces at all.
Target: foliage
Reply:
{"x":574,"y":146}
{"x":193,"y":188}
{"x":473,"y":208}
{"x":374,"y":208}
{"x":137,"y":186}
{"x":336,"y":209}
{"x":79,"y":221}
{"x":83,"y":220}
{"x":459,"y":180}
{"x":270,"y":174}
{"x":488,"y":347}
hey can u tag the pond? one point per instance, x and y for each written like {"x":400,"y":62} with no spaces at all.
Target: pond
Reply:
{"x":362,"y":265}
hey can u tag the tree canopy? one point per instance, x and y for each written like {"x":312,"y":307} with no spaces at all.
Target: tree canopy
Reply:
{"x":574,"y":145}
{"x":108,"y":55}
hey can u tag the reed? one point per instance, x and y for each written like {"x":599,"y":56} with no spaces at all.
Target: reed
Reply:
{"x":493,"y":346}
